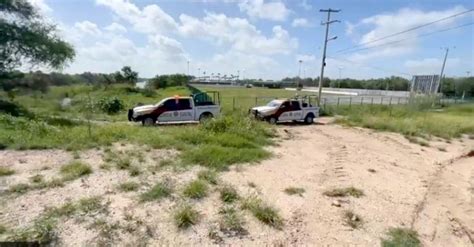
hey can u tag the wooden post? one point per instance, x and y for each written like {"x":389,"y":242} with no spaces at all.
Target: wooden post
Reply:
{"x":338,"y":102}
{"x":390,"y":103}
{"x":361,"y":100}
{"x":350,"y":101}
{"x":233,"y":103}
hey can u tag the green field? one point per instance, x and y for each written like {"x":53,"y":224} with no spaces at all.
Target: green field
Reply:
{"x":241,"y":98}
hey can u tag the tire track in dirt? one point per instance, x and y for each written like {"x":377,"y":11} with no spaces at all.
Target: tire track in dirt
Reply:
{"x":448,"y":205}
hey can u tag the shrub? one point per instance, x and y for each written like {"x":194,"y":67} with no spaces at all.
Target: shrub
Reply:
{"x":401,"y":237}
{"x":111,"y":105}
{"x":128,"y":186}
{"x":157,"y":192}
{"x":263,"y":212}
{"x":196,"y":189}
{"x":5,"y":171}
{"x":75,"y":170}
{"x":185,"y":216}
{"x":228,"y":194}
{"x":343,"y":192}
{"x":208,"y":175}
{"x":294,"y":191}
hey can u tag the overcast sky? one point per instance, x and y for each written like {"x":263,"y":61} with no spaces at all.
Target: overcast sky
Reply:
{"x":264,"y":38}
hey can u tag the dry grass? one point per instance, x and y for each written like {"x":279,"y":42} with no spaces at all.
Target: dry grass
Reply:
{"x":294,"y":191}
{"x":343,"y":192}
{"x":185,"y":216}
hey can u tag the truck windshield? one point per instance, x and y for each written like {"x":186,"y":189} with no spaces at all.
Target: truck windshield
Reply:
{"x":274,"y":103}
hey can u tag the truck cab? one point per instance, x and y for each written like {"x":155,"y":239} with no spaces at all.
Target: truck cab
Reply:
{"x":282,"y":110}
{"x":177,"y":109}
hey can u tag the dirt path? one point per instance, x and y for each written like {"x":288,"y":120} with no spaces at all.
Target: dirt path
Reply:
{"x":405,"y":185}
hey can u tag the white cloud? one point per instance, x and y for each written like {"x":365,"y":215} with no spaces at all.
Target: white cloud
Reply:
{"x":429,"y":65}
{"x":305,"y":58}
{"x":389,"y":23}
{"x":116,"y":28}
{"x":304,"y":4}
{"x":237,"y":32}
{"x":275,"y":11}
{"x":41,"y":5}
{"x":150,"y":19}
{"x":87,"y":27}
{"x":301,"y":22}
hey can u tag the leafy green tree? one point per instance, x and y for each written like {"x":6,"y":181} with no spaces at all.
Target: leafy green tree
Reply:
{"x":25,"y":37}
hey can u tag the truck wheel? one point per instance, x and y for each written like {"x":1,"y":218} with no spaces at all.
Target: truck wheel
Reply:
{"x":149,"y":121}
{"x":272,"y":120}
{"x":205,"y":116}
{"x":308,"y":119}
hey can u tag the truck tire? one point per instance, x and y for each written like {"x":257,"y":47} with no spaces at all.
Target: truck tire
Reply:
{"x":205,"y":116}
{"x":309,"y":119}
{"x":148,"y":121}
{"x":272,"y":120}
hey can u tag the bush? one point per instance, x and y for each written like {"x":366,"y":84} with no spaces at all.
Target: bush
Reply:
{"x":111,"y":105}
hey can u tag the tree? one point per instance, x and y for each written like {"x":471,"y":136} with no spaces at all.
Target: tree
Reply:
{"x":25,"y":37}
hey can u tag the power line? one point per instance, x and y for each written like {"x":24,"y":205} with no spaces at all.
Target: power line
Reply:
{"x":414,"y":37}
{"x":369,"y":66}
{"x":407,"y":30}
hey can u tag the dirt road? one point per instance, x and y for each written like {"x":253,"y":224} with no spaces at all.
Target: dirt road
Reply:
{"x":405,"y":185}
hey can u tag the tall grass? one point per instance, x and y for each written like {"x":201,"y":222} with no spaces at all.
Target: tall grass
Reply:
{"x":448,"y":122}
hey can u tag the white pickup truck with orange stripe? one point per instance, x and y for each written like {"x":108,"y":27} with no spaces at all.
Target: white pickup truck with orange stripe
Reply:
{"x":281,"y":110}
{"x":177,"y":109}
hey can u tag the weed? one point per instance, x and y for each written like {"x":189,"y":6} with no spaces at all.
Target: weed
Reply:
{"x":53,"y":183}
{"x":294,"y":191}
{"x":5,"y":171}
{"x":38,"y":178}
{"x":208,"y":175}
{"x":166,"y":162}
{"x":252,"y":185}
{"x":42,"y":231}
{"x":134,"y":171}
{"x":123,"y":163}
{"x":231,"y":222}
{"x":442,"y":149}
{"x":75,"y":170}
{"x":76,"y":155}
{"x":185,"y":216}
{"x":228,"y":194}
{"x":371,"y":170}
{"x":343,"y":192}
{"x":160,"y":190}
{"x":352,"y":219}
{"x":3,"y":229}
{"x":196,"y":189}
{"x":401,"y":237}
{"x":128,"y":186}
{"x":418,"y":141}
{"x":263,"y":212}
{"x":19,"y":188}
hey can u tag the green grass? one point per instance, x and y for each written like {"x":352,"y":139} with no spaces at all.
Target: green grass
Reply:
{"x":128,"y":186}
{"x":263,"y":212}
{"x":343,"y":192}
{"x":228,"y":194}
{"x":217,"y":144}
{"x":245,"y":97}
{"x":231,"y":222}
{"x":401,"y":237}
{"x":294,"y":191}
{"x":185,"y":216}
{"x":196,"y":189}
{"x":3,"y":229}
{"x":75,"y":170}
{"x":157,"y":192}
{"x":38,"y":178}
{"x":208,"y":175}
{"x":19,"y":188}
{"x":412,"y":121}
{"x":5,"y":171}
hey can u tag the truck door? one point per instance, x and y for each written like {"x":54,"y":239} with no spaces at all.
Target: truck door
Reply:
{"x":170,"y":108}
{"x":296,"y":111}
{"x":185,"y":110}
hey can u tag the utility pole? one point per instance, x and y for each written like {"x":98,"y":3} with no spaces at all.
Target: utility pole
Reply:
{"x":299,"y":75}
{"x":323,"y":62}
{"x":199,"y":73}
{"x":339,"y":81}
{"x":442,"y":70}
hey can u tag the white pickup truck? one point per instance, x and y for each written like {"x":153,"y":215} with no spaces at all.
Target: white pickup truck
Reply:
{"x":281,"y":110}
{"x":176,"y":109}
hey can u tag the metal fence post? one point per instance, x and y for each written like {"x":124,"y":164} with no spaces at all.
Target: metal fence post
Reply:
{"x":350,"y":101}
{"x":372,"y":101}
{"x":361,"y":100}
{"x":255,"y":101}
{"x":338,"y":101}
{"x":233,"y":103}
{"x":390,"y":103}
{"x":398,"y":101}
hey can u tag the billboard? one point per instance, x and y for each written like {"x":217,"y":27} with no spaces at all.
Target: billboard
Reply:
{"x":425,"y":84}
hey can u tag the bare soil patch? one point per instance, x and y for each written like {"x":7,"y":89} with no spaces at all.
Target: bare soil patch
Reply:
{"x":403,"y":185}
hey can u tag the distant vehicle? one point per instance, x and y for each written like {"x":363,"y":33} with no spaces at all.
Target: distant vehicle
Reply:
{"x":176,"y":109}
{"x":281,"y":110}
